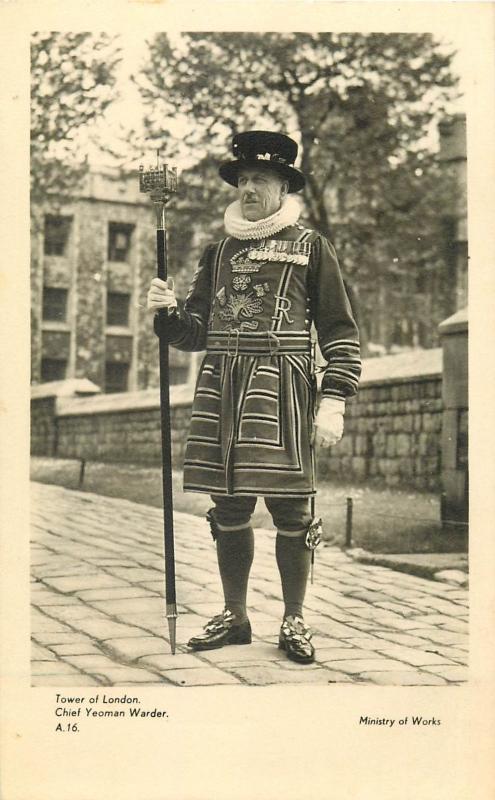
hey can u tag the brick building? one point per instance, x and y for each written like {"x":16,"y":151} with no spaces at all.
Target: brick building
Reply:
{"x":91,"y":263}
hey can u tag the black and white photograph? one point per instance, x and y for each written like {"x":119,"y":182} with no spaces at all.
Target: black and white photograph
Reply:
{"x":249,"y":472}
{"x":299,"y":338}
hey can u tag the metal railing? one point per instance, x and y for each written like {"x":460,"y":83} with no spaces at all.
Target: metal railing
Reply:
{"x":401,"y":523}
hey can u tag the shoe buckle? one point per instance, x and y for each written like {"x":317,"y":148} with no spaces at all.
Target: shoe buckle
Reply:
{"x":296,"y":630}
{"x":220,"y":622}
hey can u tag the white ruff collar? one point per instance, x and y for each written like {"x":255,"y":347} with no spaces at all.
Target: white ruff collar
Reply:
{"x":241,"y":228}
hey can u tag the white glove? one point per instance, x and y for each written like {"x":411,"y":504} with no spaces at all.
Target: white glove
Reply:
{"x":329,"y":422}
{"x":161,"y":295}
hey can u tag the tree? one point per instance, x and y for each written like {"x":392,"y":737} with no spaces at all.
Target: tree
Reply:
{"x":72,"y":81}
{"x":361,"y":106}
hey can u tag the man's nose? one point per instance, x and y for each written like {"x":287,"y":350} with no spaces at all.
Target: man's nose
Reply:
{"x":248,"y":186}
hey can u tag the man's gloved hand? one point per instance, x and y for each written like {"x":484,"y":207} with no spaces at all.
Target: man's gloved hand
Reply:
{"x":161,"y":295}
{"x":329,"y":422}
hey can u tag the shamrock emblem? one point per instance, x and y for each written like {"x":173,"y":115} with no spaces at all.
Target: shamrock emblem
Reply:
{"x":261,"y":289}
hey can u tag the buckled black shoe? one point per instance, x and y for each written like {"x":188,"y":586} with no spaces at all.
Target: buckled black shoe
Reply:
{"x":220,"y":631}
{"x":295,"y":639}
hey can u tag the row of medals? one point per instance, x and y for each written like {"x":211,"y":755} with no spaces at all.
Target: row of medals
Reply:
{"x":275,"y":250}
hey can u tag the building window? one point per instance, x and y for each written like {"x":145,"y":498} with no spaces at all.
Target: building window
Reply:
{"x":57,"y":230}
{"x":119,"y":241}
{"x":118,"y":308}
{"x":116,"y":376}
{"x":53,"y":369}
{"x":54,"y":304}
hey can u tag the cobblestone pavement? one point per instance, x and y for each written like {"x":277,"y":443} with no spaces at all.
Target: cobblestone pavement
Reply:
{"x":98,"y":610}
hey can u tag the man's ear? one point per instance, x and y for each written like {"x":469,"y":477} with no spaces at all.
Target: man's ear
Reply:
{"x":284,"y":189}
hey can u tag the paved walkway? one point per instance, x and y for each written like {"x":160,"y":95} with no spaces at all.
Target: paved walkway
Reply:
{"x":98,"y":612}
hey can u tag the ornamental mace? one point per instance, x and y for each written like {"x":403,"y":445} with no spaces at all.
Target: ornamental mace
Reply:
{"x":160,"y":183}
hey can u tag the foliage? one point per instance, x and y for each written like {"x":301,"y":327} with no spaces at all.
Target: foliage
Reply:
{"x":72,"y":82}
{"x":362,"y":108}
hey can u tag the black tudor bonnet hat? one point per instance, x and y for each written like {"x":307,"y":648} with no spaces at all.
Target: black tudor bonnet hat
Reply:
{"x":276,"y":151}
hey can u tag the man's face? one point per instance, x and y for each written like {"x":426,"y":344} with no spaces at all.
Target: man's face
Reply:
{"x":260,"y":192}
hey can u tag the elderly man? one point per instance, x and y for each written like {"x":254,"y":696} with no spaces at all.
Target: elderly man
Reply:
{"x":252,"y":304}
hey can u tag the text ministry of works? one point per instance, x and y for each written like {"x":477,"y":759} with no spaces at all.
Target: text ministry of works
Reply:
{"x":390,"y":722}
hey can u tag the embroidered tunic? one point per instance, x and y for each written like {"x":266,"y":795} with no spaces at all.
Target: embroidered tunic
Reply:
{"x":251,"y":306}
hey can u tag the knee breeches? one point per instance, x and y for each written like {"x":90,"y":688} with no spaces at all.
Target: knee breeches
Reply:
{"x":290,"y":515}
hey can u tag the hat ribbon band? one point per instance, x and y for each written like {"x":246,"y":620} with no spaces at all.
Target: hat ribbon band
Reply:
{"x":263,"y":157}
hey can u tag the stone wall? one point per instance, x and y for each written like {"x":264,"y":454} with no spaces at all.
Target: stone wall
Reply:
{"x":43,"y":426}
{"x":455,"y":467}
{"x":122,"y":427}
{"x":393,"y":429}
{"x":392,"y":436}
{"x":45,"y":401}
